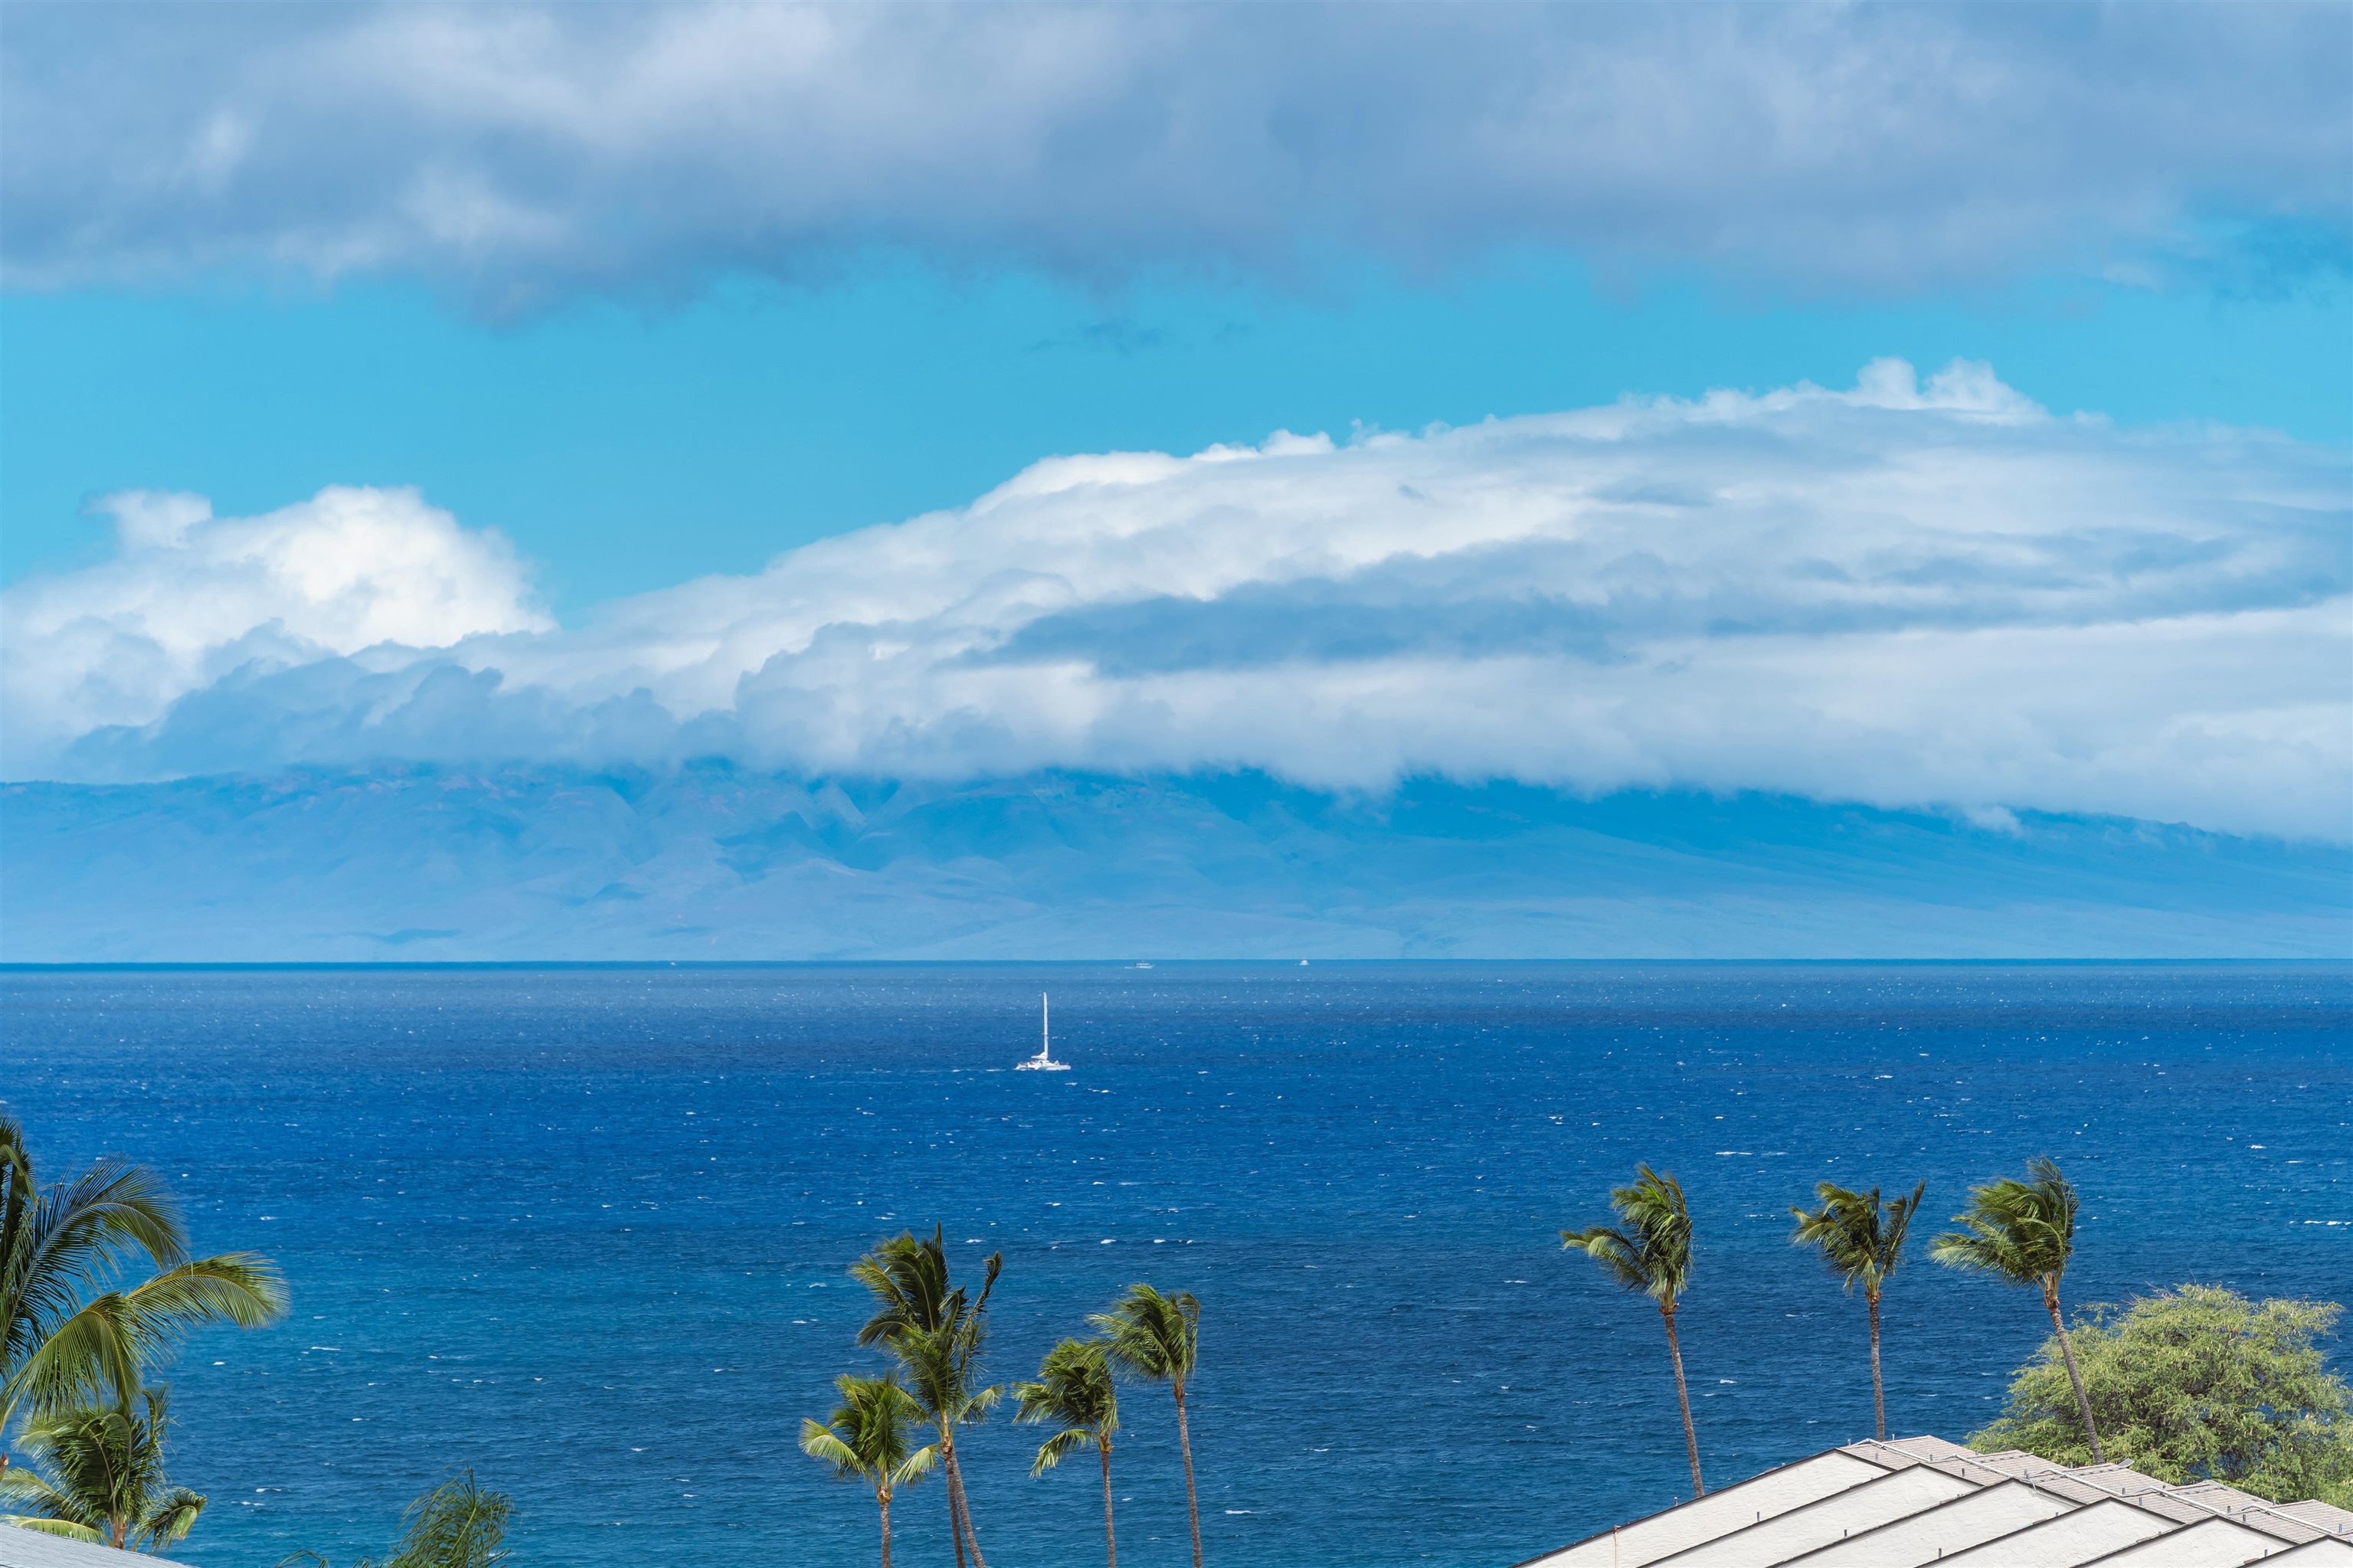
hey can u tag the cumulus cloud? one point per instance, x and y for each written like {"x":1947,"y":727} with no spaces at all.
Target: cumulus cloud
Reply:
{"x":1904,"y":594}
{"x":189,"y":598}
{"x":522,"y":151}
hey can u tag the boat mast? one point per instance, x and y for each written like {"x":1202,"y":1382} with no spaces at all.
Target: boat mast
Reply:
{"x":1045,"y":1029}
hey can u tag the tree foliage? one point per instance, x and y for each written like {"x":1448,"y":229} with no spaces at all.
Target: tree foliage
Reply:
{"x":938,"y":1332}
{"x":1862,"y":1239}
{"x":1156,"y":1337}
{"x":454,"y":1525}
{"x":1651,"y":1251}
{"x":868,"y":1438}
{"x":1859,"y":1236}
{"x":2022,"y":1233}
{"x":1152,"y":1337}
{"x":69,"y":1335}
{"x":98,"y":1476}
{"x":1073,"y":1390}
{"x":2197,"y":1383}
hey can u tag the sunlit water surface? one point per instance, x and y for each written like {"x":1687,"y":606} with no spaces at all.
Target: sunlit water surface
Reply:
{"x":585,"y":1230}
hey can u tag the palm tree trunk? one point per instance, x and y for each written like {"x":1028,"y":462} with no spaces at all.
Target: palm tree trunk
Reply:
{"x":1682,"y":1395}
{"x":1878,"y":1389}
{"x":955,"y":1509}
{"x":963,"y":1505}
{"x":1185,"y":1443}
{"x":884,"y":1499}
{"x":2067,"y":1352}
{"x":1111,"y":1541}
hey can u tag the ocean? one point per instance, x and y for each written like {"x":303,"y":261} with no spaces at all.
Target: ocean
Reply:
{"x":585,"y":1230}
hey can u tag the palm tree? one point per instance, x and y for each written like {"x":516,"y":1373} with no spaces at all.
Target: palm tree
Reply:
{"x":1650,"y":1254}
{"x":2023,"y":1232}
{"x":1863,"y":1242}
{"x":104,"y":1480}
{"x":68,"y":1335}
{"x":1158,"y":1338}
{"x":1074,"y":1391}
{"x":937,"y":1334}
{"x":454,"y":1525}
{"x":866,"y":1440}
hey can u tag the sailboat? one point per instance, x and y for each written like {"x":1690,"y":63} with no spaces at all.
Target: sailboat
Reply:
{"x":1043,"y":1062}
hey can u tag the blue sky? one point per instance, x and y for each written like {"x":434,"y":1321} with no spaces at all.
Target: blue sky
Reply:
{"x":1926,"y":408}
{"x":628,"y":445}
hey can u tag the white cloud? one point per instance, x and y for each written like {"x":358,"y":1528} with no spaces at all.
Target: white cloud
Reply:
{"x":1902,"y":594}
{"x":523,"y":152}
{"x":189,"y":598}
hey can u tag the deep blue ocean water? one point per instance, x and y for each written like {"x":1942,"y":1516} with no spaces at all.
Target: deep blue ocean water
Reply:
{"x":585,"y":1230}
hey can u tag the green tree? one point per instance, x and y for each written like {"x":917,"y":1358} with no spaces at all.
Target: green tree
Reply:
{"x":1650,"y":1251}
{"x":2197,"y":1383}
{"x":70,"y":1337}
{"x":937,"y":1332}
{"x":454,"y":1525}
{"x":866,"y":1440}
{"x":2023,"y":1232}
{"x":1863,"y":1241}
{"x":1073,"y":1390}
{"x":98,"y":1475}
{"x":1158,"y":1338}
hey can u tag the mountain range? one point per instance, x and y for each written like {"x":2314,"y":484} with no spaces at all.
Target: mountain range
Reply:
{"x":717,"y":860}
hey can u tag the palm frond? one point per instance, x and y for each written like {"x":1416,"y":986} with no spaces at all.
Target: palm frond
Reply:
{"x":112,"y":1341}
{"x":1616,"y":1251}
{"x":867,"y":1436}
{"x":240,"y":1288}
{"x":29,"y":1490}
{"x":917,"y":1465}
{"x":171,"y":1518}
{"x":1858,"y":1236}
{"x":2020,"y":1232}
{"x":1051,"y":1452}
{"x":936,"y":1332}
{"x":1075,"y":1390}
{"x":456,"y":1525}
{"x":826,"y":1445}
{"x":1649,"y":1250}
{"x":64,"y":1528}
{"x":1152,"y":1336}
{"x":103,"y":1465}
{"x":58,"y":1244}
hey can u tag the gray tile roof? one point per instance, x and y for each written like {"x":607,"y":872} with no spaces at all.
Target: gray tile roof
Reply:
{"x":31,"y":1549}
{"x":1920,"y":1500}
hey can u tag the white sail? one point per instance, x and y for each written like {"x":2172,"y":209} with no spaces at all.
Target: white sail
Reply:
{"x":1043,"y":1062}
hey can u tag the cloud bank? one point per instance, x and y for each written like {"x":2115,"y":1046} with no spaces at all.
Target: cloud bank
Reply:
{"x":1900,"y":594}
{"x":521,"y":153}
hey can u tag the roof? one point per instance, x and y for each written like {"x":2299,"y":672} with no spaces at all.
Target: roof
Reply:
{"x":1977,"y":1516}
{"x":2216,"y":1543}
{"x":1920,"y":1500}
{"x":22,"y":1548}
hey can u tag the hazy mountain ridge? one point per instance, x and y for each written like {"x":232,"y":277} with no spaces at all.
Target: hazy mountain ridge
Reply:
{"x":717,"y":860}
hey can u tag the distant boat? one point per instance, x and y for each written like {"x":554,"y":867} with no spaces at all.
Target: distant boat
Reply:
{"x":1043,"y":1062}
{"x":1143,"y":966}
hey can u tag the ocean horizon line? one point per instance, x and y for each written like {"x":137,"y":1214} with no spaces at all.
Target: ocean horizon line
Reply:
{"x":1129,"y":962}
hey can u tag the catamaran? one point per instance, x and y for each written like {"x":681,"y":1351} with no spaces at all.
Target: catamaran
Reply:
{"x":1043,"y":1062}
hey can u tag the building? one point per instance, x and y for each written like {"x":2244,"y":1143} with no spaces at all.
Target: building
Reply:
{"x":1923,"y":1501}
{"x":31,"y":1549}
